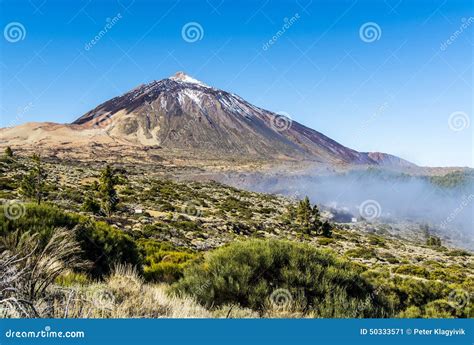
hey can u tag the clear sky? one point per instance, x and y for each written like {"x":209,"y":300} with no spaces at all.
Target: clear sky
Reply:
{"x":400,"y":91}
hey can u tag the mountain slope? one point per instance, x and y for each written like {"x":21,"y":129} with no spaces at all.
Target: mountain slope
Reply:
{"x":183,"y":113}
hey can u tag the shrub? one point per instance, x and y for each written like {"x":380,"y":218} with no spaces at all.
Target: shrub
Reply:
{"x":363,"y":253}
{"x":71,"y":278}
{"x":163,"y":263}
{"x":8,"y":152}
{"x":33,"y":183}
{"x":234,"y":206}
{"x":438,"y":309}
{"x":324,"y":241}
{"x":253,"y":274}
{"x":186,"y":225}
{"x":448,"y":275}
{"x":458,"y":252}
{"x":412,"y":312}
{"x":166,"y":271}
{"x":107,"y":246}
{"x":413,"y":270}
{"x":100,"y":243}
{"x":376,"y":241}
{"x":410,"y":297}
{"x":433,"y":241}
{"x":389,"y":257}
{"x":39,"y":219}
{"x":90,"y":205}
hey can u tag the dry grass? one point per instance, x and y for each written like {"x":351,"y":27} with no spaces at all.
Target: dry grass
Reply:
{"x":27,"y":268}
{"x":122,"y":295}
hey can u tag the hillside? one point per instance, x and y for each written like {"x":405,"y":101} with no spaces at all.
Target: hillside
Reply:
{"x":167,"y":228}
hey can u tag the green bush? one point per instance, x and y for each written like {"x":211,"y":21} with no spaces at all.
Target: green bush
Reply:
{"x":72,"y":278}
{"x":90,"y":205}
{"x":413,"y":270}
{"x":186,"y":225}
{"x":40,"y":219}
{"x":458,"y":252}
{"x":389,"y":257}
{"x":363,"y":253}
{"x":233,"y":205}
{"x":417,"y":292}
{"x":438,"y":309}
{"x":169,"y":269}
{"x":247,"y":273}
{"x":415,"y":297}
{"x":448,"y":275}
{"x":106,"y":246}
{"x":163,"y":263}
{"x":324,"y":241}
{"x":376,"y":241}
{"x":101,"y":244}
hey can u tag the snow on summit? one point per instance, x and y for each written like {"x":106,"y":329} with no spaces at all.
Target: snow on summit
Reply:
{"x":183,"y":77}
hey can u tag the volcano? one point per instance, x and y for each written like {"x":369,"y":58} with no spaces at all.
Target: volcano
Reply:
{"x":182,"y":114}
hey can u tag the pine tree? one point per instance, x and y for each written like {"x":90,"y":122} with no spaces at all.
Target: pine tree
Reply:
{"x":315,"y":220}
{"x":107,"y":192}
{"x":8,"y":152}
{"x":433,"y":241}
{"x":303,"y":213}
{"x":326,"y":229}
{"x":425,"y":229}
{"x":32,"y":184}
{"x":308,"y":217}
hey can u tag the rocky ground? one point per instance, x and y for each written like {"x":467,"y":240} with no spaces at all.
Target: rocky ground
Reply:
{"x":184,"y":206}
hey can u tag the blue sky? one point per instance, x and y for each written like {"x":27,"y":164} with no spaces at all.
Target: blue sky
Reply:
{"x":395,"y":94}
